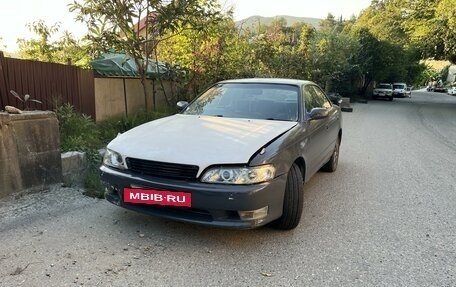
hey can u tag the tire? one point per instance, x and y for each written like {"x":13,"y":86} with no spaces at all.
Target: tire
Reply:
{"x":332,"y":163}
{"x":293,"y":200}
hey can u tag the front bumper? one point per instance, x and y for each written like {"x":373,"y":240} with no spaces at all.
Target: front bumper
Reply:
{"x":212,"y":204}
{"x":382,"y":95}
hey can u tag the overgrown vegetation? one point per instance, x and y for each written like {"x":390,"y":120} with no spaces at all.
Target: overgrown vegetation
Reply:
{"x":66,"y":50}
{"x":78,"y":132}
{"x":387,"y":42}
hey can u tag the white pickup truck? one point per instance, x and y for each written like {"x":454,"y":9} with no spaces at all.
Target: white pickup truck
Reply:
{"x":383,"y":91}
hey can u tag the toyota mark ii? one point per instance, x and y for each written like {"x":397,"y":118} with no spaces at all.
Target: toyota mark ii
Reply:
{"x":237,"y":156}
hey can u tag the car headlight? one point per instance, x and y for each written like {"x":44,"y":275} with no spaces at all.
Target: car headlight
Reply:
{"x":239,"y":175}
{"x":113,"y":159}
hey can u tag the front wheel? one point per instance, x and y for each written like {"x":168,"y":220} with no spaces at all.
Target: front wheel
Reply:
{"x":293,"y":200}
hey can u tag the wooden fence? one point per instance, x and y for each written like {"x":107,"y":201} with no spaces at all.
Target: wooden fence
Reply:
{"x":46,"y":82}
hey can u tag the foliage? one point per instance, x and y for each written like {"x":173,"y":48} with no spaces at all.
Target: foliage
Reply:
{"x":444,"y":73}
{"x":429,"y":25}
{"x":79,"y":132}
{"x":428,"y":74}
{"x":136,"y":27}
{"x":64,"y":50}
{"x":332,"y":54}
{"x":215,"y":53}
{"x":24,"y":99}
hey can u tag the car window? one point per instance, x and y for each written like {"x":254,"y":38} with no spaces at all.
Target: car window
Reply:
{"x":315,"y":98}
{"x":322,"y":99}
{"x":248,"y":100}
{"x":384,"y":86}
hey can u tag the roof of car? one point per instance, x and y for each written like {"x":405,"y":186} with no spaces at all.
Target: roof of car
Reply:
{"x":269,"y":81}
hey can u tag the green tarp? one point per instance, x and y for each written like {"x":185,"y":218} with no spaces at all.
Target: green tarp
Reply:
{"x":121,"y":65}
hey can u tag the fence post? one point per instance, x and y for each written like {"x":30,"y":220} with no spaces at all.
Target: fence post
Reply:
{"x":3,"y":82}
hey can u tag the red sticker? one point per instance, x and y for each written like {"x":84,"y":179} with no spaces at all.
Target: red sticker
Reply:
{"x":158,"y":197}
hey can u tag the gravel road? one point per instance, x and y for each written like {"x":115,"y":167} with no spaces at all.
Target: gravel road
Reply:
{"x":386,"y":217}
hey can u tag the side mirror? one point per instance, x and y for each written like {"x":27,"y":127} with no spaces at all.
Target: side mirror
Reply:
{"x":181,"y":105}
{"x":318,"y":113}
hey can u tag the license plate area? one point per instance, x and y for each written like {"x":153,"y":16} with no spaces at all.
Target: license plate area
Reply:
{"x":157,"y":197}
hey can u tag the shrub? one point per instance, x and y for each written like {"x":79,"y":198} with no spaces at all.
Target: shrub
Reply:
{"x":78,"y":132}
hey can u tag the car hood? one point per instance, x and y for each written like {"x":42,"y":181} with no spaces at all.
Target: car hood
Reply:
{"x":198,"y":140}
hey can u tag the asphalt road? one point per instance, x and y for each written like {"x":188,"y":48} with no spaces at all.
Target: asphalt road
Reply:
{"x":386,"y":217}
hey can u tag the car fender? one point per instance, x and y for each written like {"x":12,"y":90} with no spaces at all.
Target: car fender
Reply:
{"x":283,"y":151}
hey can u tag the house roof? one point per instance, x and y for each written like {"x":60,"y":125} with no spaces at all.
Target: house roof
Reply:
{"x":141,"y":25}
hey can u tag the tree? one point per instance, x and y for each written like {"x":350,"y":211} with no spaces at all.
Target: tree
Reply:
{"x":64,"y":50}
{"x":219,"y":52}
{"x":115,"y":25}
{"x":331,"y":55}
{"x":429,"y":25}
{"x":384,"y":20}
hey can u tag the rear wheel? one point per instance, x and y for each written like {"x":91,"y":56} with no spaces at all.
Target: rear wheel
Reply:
{"x":293,"y":200}
{"x":332,"y":163}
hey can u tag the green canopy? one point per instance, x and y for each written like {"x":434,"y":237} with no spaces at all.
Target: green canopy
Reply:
{"x":122,"y":65}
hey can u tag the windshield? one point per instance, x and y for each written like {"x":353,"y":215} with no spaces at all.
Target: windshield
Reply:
{"x":384,"y":86}
{"x":248,"y":100}
{"x":398,"y":86}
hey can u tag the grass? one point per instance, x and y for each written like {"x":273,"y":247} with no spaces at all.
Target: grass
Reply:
{"x":78,"y":132}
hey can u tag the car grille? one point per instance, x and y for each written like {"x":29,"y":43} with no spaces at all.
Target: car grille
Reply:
{"x":162,"y":169}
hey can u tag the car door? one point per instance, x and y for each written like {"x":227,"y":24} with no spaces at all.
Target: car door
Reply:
{"x":314,"y":151}
{"x":332,"y":122}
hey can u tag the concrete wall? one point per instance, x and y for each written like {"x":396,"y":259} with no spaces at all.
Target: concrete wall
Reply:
{"x":122,"y":96}
{"x":109,"y":98}
{"x":29,"y":151}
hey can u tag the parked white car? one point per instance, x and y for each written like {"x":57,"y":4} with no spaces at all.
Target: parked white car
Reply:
{"x":452,"y":91}
{"x":383,"y":91}
{"x":401,"y":90}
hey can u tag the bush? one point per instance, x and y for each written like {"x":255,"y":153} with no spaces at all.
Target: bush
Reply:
{"x":78,"y":132}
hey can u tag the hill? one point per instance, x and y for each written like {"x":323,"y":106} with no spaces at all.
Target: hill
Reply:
{"x":253,"y":21}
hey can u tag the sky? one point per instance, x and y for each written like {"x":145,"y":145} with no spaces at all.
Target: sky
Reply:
{"x":15,"y":14}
